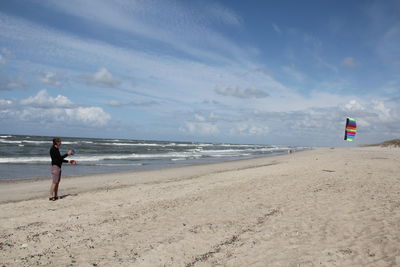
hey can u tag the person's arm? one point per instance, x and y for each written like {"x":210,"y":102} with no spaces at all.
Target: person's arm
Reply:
{"x":72,"y":162}
{"x":56,"y":156}
{"x":69,"y":153}
{"x":63,"y":156}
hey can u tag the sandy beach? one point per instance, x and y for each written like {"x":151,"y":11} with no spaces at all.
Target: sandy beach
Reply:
{"x":322,"y":207}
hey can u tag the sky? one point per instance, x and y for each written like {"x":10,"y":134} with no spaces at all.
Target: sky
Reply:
{"x":251,"y":72}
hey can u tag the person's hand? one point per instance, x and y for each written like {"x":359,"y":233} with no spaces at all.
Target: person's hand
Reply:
{"x":72,"y":162}
{"x":69,"y":153}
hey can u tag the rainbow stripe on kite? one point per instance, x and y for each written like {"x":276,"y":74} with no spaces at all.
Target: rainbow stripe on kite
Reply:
{"x":351,"y":129}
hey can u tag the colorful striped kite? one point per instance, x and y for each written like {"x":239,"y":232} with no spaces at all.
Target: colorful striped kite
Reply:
{"x":351,"y":128}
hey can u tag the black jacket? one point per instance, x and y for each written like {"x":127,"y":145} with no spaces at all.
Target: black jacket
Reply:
{"x":56,"y":158}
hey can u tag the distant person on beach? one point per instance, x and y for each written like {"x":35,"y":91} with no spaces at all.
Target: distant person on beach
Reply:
{"x":56,"y":161}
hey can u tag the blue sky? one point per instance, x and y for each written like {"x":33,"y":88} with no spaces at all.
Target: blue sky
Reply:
{"x":269,"y":72}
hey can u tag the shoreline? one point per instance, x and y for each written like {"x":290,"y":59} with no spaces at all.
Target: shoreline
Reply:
{"x":329,"y":207}
{"x":24,"y":157}
{"x":7,"y":190}
{"x":153,"y":168}
{"x":141,"y":168}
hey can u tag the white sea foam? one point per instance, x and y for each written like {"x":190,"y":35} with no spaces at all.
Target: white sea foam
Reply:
{"x":37,"y":142}
{"x":126,"y":144}
{"x":177,"y":159}
{"x":132,"y":156}
{"x":98,"y":155}
{"x":69,"y":142}
{"x":24,"y":159}
{"x":120,"y":165}
{"x":10,"y":141}
{"x":153,"y":144}
{"x":167,"y":150}
{"x":175,"y":156}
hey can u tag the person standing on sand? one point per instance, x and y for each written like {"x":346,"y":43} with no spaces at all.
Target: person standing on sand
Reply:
{"x":56,"y":162}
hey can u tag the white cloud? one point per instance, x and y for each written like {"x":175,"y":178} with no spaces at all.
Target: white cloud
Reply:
{"x":199,"y":118}
{"x":43,"y":108}
{"x":241,"y":92}
{"x":249,"y":129}
{"x":200,"y":128}
{"x":50,"y":78}
{"x":5,"y":102}
{"x":160,"y":76}
{"x":354,"y":105}
{"x":174,"y":77}
{"x":384,"y":113}
{"x":102,"y":78}
{"x":115,"y":103}
{"x":42,"y":99}
{"x":312,"y":126}
{"x":188,"y":31}
{"x":91,"y":115}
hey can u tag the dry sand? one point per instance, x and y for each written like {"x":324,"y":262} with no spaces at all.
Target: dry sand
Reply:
{"x":324,"y":207}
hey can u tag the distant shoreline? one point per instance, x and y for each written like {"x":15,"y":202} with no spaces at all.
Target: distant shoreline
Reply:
{"x":25,"y":157}
{"x":88,"y":175}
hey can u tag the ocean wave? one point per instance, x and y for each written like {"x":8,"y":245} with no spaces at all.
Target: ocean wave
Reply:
{"x":117,"y":164}
{"x":177,"y":155}
{"x":147,"y":144}
{"x":119,"y":157}
{"x":25,"y":160}
{"x":125,"y":144}
{"x":130,"y":156}
{"x":10,"y":141}
{"x":24,"y":141}
{"x":36,"y":142}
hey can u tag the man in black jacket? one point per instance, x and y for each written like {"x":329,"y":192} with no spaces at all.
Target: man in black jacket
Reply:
{"x":56,"y":161}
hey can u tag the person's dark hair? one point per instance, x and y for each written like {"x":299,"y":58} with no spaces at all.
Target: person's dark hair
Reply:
{"x":55,"y":140}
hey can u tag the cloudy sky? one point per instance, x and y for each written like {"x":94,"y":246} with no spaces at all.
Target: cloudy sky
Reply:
{"x":269,"y":72}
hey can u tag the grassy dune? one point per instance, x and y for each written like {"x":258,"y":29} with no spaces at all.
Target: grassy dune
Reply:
{"x":394,"y":143}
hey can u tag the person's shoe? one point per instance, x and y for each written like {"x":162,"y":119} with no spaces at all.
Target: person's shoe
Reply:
{"x":52,"y":198}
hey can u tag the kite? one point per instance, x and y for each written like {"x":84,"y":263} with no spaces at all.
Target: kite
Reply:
{"x":351,"y":128}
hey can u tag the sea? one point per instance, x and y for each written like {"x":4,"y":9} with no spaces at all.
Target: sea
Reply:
{"x":26,"y":157}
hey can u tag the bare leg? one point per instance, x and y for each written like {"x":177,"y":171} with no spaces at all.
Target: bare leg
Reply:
{"x":56,"y":190}
{"x":52,"y":190}
{"x":56,"y":176}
